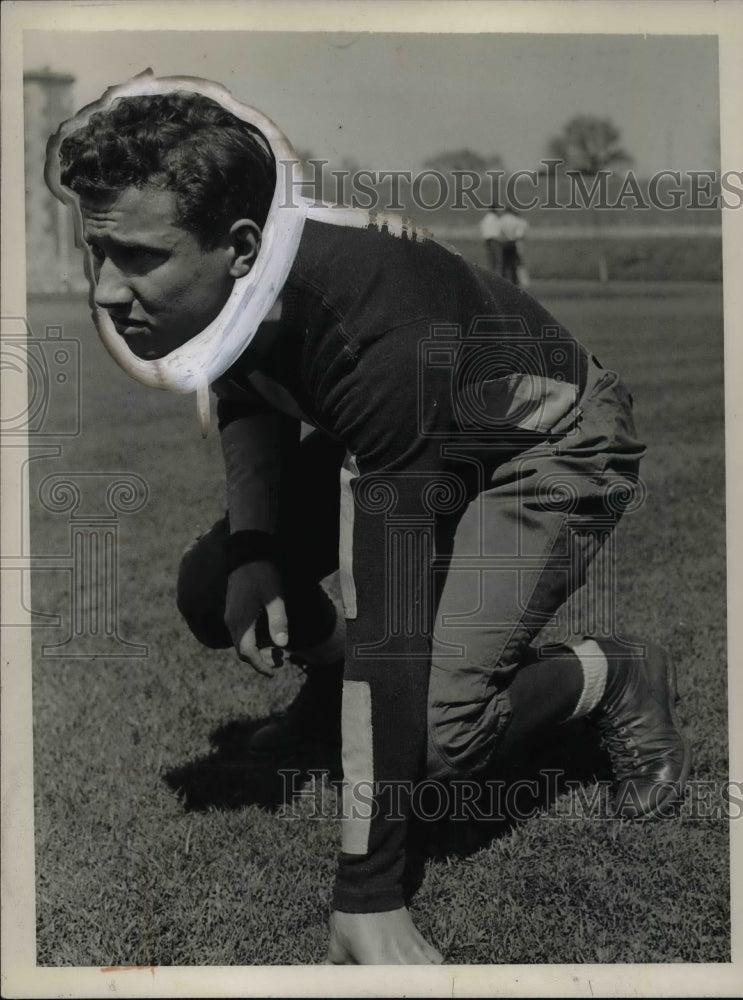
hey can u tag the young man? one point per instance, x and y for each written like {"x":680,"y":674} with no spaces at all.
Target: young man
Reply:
{"x":513,"y":229}
{"x":490,"y":232}
{"x":483,"y":457}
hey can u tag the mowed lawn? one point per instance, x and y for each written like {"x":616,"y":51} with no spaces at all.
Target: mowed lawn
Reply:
{"x":158,"y":842}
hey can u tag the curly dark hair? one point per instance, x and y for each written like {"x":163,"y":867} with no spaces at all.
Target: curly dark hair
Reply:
{"x":220,"y":167}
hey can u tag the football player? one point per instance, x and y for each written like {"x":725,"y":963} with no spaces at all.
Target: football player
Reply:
{"x":469,"y":458}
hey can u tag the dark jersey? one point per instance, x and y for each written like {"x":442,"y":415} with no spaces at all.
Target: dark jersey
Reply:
{"x":427,"y":369}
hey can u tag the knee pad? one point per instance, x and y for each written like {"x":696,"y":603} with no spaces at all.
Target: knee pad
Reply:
{"x":201,"y":588}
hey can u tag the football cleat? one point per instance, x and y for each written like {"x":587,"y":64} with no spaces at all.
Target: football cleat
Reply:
{"x":313,"y":717}
{"x":639,"y":729}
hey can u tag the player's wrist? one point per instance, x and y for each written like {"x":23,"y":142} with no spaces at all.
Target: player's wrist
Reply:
{"x":248,"y":546}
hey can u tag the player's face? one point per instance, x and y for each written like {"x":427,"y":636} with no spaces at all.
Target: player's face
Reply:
{"x":159,"y":286}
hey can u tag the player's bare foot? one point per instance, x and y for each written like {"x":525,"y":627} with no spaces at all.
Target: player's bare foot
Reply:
{"x":388,"y":938}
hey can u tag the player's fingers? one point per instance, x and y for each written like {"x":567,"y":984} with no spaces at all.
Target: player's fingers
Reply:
{"x":249,"y":653}
{"x":277,"y":624}
{"x":274,"y":657}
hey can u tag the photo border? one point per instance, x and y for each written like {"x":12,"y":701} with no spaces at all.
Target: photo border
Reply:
{"x":20,"y":976}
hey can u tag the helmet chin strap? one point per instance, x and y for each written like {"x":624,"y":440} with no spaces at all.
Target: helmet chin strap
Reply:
{"x":194,"y":365}
{"x":203,"y":410}
{"x":202,"y":359}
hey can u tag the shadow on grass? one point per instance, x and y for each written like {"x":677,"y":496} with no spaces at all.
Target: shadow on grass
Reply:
{"x":455,"y":819}
{"x":513,"y":791}
{"x":233,"y":775}
{"x":506,"y":795}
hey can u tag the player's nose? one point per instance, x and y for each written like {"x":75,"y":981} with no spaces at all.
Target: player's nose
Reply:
{"x":112,"y":289}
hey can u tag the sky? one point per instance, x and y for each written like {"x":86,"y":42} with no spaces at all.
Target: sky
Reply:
{"x":390,"y":101}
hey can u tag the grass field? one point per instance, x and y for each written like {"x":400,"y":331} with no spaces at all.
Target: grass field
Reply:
{"x":639,"y":258}
{"x":156,"y":841}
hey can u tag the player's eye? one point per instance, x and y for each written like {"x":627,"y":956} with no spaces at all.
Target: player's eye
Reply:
{"x":139,"y":260}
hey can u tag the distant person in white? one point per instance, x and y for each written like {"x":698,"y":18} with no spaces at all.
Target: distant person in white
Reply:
{"x":490,"y":232}
{"x":513,"y":229}
{"x":502,"y":229}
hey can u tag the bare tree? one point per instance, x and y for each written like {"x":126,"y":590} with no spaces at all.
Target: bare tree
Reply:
{"x":590,"y":145}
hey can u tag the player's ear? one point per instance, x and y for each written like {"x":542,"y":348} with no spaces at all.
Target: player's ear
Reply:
{"x":245,"y":241}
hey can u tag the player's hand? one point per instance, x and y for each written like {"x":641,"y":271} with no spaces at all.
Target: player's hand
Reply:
{"x":251,"y":589}
{"x":388,"y":938}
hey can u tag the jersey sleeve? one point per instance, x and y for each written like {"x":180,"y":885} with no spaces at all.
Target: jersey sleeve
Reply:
{"x":388,"y":504}
{"x":256,"y":439}
{"x":235,"y":401}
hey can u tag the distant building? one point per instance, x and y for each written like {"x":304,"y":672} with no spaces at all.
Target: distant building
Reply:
{"x":52,"y":262}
